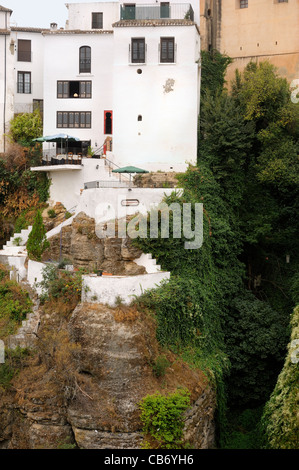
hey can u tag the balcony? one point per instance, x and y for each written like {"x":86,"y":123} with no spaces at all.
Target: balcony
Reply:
{"x":174,"y":11}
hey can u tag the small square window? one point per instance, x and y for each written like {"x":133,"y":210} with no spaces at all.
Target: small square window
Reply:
{"x":243,"y":3}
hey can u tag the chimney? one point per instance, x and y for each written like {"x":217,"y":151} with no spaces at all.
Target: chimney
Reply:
{"x":53,"y":26}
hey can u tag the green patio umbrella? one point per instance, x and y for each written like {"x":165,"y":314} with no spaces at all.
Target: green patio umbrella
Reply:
{"x":130,"y":170}
{"x":57,"y":138}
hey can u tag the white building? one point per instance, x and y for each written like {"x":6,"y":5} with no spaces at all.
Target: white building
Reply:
{"x":123,"y":75}
{"x":134,"y":80}
{"x":21,"y":71}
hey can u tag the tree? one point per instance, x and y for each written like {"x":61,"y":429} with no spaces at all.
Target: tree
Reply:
{"x":26,"y":127}
{"x":37,"y":242}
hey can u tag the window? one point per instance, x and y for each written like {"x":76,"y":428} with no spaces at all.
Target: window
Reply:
{"x":167,"y":50}
{"x":24,"y":50}
{"x":129,"y":11}
{"x":24,"y":82}
{"x":243,"y":3}
{"x":74,"y":89}
{"x":97,"y":20}
{"x":138,"y":50}
{"x":164,"y":10}
{"x":108,"y":120}
{"x":72,"y":119}
{"x":85,"y":59}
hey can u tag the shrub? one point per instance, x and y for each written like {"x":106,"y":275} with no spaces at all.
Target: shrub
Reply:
{"x":160,"y":365}
{"x":18,"y":241}
{"x":14,"y":361}
{"x":162,"y":419}
{"x":51,"y":213}
{"x":15,"y":304}
{"x":63,"y":286}
{"x":37,"y":241}
{"x":25,"y":127}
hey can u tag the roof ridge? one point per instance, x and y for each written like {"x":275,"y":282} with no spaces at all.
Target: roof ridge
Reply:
{"x":5,"y":9}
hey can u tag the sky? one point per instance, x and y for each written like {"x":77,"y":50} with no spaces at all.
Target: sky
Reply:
{"x":39,"y":13}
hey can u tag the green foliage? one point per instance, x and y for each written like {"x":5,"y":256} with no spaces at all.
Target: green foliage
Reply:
{"x":17,"y":241}
{"x":51,"y":213}
{"x":15,"y":304}
{"x":162,"y":419}
{"x":280,"y":417}
{"x":63,"y":285}
{"x":245,"y":430}
{"x":26,"y":127}
{"x":21,"y":191}
{"x":213,"y":70}
{"x":247,"y":180}
{"x":255,"y":340}
{"x":14,"y":361}
{"x":37,"y":241}
{"x":160,"y":365}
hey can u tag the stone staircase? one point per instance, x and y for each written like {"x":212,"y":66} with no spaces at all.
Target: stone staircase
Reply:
{"x":149,"y":263}
{"x":26,"y":335}
{"x":23,"y":236}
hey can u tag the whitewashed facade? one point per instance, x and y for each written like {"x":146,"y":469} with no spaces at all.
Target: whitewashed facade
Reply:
{"x":21,"y":71}
{"x":126,"y":72}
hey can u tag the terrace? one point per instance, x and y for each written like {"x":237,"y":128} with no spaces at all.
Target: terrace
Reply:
{"x":175,"y":11}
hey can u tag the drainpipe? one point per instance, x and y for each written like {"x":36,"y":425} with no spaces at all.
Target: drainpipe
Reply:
{"x":5,"y":79}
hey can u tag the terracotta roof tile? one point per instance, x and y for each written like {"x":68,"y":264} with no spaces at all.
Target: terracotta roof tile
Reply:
{"x":76,"y":31}
{"x":163,"y":22}
{"x":28,"y":29}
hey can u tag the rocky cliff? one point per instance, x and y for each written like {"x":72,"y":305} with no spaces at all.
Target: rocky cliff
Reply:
{"x":83,"y":384}
{"x":79,"y":244}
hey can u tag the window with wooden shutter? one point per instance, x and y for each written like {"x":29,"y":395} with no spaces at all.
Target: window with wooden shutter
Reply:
{"x":24,"y":50}
{"x":138,"y":50}
{"x":97,"y":20}
{"x":167,"y":50}
{"x":72,"y":119}
{"x":85,"y":59}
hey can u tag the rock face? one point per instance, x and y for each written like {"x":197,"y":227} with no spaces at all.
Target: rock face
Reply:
{"x":117,"y":350}
{"x":156,"y":180}
{"x":80,"y":245}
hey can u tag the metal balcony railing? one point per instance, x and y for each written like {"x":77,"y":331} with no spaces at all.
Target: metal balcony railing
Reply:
{"x":106,"y":184}
{"x":175,"y":11}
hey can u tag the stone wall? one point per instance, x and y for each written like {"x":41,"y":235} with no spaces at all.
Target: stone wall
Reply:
{"x":156,"y":180}
{"x":79,"y":244}
{"x":109,"y":289}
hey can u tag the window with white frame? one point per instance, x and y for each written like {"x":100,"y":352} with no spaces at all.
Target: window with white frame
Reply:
{"x":85,"y":59}
{"x":138,"y":50}
{"x":74,"y":89}
{"x":24,"y":82}
{"x":167,"y":50}
{"x":73,"y":119}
